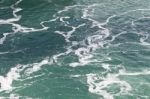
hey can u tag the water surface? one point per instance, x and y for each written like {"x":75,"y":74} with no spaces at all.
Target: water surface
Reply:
{"x":75,"y":49}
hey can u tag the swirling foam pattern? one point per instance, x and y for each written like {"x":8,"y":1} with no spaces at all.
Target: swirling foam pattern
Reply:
{"x":74,"y":49}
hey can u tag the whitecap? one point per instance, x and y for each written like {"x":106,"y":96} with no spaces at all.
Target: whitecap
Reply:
{"x":99,"y":84}
{"x":14,"y":73}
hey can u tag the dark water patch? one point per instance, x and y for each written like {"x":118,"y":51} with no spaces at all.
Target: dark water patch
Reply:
{"x":29,"y":48}
{"x":64,"y":87}
{"x":6,"y":3}
{"x":39,"y":11}
{"x":5,"y":28}
{"x":6,"y":13}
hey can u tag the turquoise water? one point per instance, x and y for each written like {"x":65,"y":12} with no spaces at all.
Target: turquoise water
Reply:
{"x":74,"y":49}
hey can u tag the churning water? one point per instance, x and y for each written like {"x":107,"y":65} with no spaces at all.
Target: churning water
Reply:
{"x":75,"y":49}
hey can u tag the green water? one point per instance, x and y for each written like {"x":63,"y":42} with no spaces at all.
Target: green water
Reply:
{"x":74,"y":49}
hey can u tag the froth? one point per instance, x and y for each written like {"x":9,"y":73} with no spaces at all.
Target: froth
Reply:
{"x":8,"y":79}
{"x":14,"y":73}
{"x":99,"y":87}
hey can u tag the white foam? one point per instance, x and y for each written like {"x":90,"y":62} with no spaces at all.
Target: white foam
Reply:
{"x":94,"y":42}
{"x":12,"y":96}
{"x":98,"y":84}
{"x":3,"y":38}
{"x":106,"y":66}
{"x":36,"y":66}
{"x":93,"y":87}
{"x":99,"y":87}
{"x":75,"y":76}
{"x":18,"y":27}
{"x":14,"y":73}
{"x":143,"y":39}
{"x":84,"y":53}
{"x":98,"y":40}
{"x":67,"y":8}
{"x":16,"y":17}
{"x":31,"y":77}
{"x":84,"y":57}
{"x":9,"y":21}
{"x":6,"y":82}
{"x":55,"y":57}
{"x":144,"y":72}
{"x":10,"y":52}
{"x":68,"y":34}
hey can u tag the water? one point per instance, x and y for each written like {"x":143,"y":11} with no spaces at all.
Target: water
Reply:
{"x":74,"y":49}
